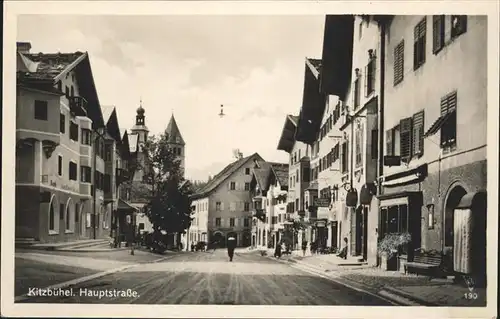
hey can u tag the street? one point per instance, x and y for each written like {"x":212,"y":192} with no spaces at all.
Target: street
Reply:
{"x":209,"y":278}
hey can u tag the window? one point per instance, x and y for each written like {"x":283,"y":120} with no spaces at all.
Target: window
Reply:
{"x":449,"y":127}
{"x":419,"y":35}
{"x":418,"y":134}
{"x":374,"y":144}
{"x":218,"y":206}
{"x":62,"y":123}
{"x":85,"y":174}
{"x":61,"y":211}
{"x":359,"y":146}
{"x":458,"y":25}
{"x":247,"y":186}
{"x":297,"y":176}
{"x":246,"y":222}
{"x":66,"y":92}
{"x":60,"y":165}
{"x":356,"y":93}
{"x":344,"y":157}
{"x":68,"y":217}
{"x":86,"y":137}
{"x":405,"y":139}
{"x":59,"y":86}
{"x":77,"y":211}
{"x":72,"y":91}
{"x":232,"y":186}
{"x":247,"y":171}
{"x":370,"y":77}
{"x":274,"y":220}
{"x":218,"y":222}
{"x":52,"y":218}
{"x":73,"y":131}
{"x":88,"y":220}
{"x":306,"y":174}
{"x":41,"y":110}
{"x":73,"y":174}
{"x":246,"y":207}
{"x":107,"y":152}
{"x":399,"y":62}
{"x":107,"y":183}
{"x":437,"y":33}
{"x":231,"y":222}
{"x":232,"y":206}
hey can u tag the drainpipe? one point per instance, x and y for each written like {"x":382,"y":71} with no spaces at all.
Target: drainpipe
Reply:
{"x":94,"y":192}
{"x":380,"y":172}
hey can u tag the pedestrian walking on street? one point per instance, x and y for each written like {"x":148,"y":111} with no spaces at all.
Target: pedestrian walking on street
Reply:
{"x":277,"y":251}
{"x":304,"y":247}
{"x":231,"y":246}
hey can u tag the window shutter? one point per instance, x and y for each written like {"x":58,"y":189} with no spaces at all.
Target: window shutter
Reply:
{"x":222,"y":206}
{"x":452,"y":102}
{"x":405,"y":139}
{"x":418,"y":133}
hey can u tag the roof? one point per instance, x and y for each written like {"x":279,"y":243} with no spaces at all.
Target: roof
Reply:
{"x":132,"y":141}
{"x":281,"y":172}
{"x":314,"y":65}
{"x":223,"y":175}
{"x":50,"y":66}
{"x":35,"y":69}
{"x":287,"y":138}
{"x":125,"y":147}
{"x":174,"y":134}
{"x":107,"y":110}
{"x":123,"y":205}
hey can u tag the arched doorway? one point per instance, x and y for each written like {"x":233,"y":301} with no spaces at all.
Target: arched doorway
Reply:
{"x":234,"y":235}
{"x":218,"y":239}
{"x":452,"y":201}
{"x":53,"y":225}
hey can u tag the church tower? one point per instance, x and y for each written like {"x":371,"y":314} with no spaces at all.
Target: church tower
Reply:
{"x":176,"y":142}
{"x":140,"y":132}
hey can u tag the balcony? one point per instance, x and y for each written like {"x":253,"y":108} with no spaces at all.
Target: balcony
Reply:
{"x":86,"y":189}
{"x":78,"y":106}
{"x":260,"y":214}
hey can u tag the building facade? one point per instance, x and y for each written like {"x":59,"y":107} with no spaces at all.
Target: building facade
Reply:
{"x":268,"y":189}
{"x":229,"y":202}
{"x":59,"y":157}
{"x":439,"y":138}
{"x":359,"y":125}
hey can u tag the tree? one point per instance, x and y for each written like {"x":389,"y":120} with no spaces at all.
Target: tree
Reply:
{"x":169,"y":207}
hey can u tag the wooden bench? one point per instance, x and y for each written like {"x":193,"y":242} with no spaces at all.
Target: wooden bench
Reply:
{"x":425,"y":264}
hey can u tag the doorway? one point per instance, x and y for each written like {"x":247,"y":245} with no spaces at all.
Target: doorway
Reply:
{"x":334,"y":228}
{"x":452,"y":202}
{"x":364,"y":240}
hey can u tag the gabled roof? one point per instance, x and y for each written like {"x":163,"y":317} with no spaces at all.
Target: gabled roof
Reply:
{"x":281,"y":172}
{"x":315,"y":66}
{"x":287,"y":138}
{"x":48,"y":68}
{"x":111,"y":120}
{"x":174,"y":134}
{"x":224,"y":175}
{"x":125,"y":147}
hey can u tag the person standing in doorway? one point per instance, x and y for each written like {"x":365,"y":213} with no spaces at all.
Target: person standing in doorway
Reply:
{"x":231,"y":246}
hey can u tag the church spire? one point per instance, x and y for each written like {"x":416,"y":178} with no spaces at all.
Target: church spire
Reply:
{"x":174,"y":134}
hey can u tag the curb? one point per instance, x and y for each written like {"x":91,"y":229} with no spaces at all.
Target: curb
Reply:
{"x":390,"y":294}
{"x":89,"y":277}
{"x":83,"y":250}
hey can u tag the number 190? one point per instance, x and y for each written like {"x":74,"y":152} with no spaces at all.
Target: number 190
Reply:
{"x":470,"y":295}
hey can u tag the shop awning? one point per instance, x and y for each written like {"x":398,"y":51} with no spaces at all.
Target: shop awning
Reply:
{"x":436,"y":126}
{"x":124,"y":206}
{"x":472,"y":199}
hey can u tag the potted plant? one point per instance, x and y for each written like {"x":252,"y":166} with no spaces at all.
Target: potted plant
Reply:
{"x":389,"y":247}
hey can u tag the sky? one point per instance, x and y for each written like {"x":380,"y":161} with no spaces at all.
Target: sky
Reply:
{"x":188,"y":66}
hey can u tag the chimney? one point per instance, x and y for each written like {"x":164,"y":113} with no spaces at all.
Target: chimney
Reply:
{"x":23,"y":47}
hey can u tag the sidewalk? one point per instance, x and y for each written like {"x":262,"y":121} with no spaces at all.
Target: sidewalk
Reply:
{"x":404,"y":289}
{"x":40,"y":269}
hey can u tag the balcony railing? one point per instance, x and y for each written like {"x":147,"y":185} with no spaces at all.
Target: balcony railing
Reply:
{"x":78,"y":106}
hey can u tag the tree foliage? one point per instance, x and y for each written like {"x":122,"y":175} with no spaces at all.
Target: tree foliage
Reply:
{"x":169,"y":207}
